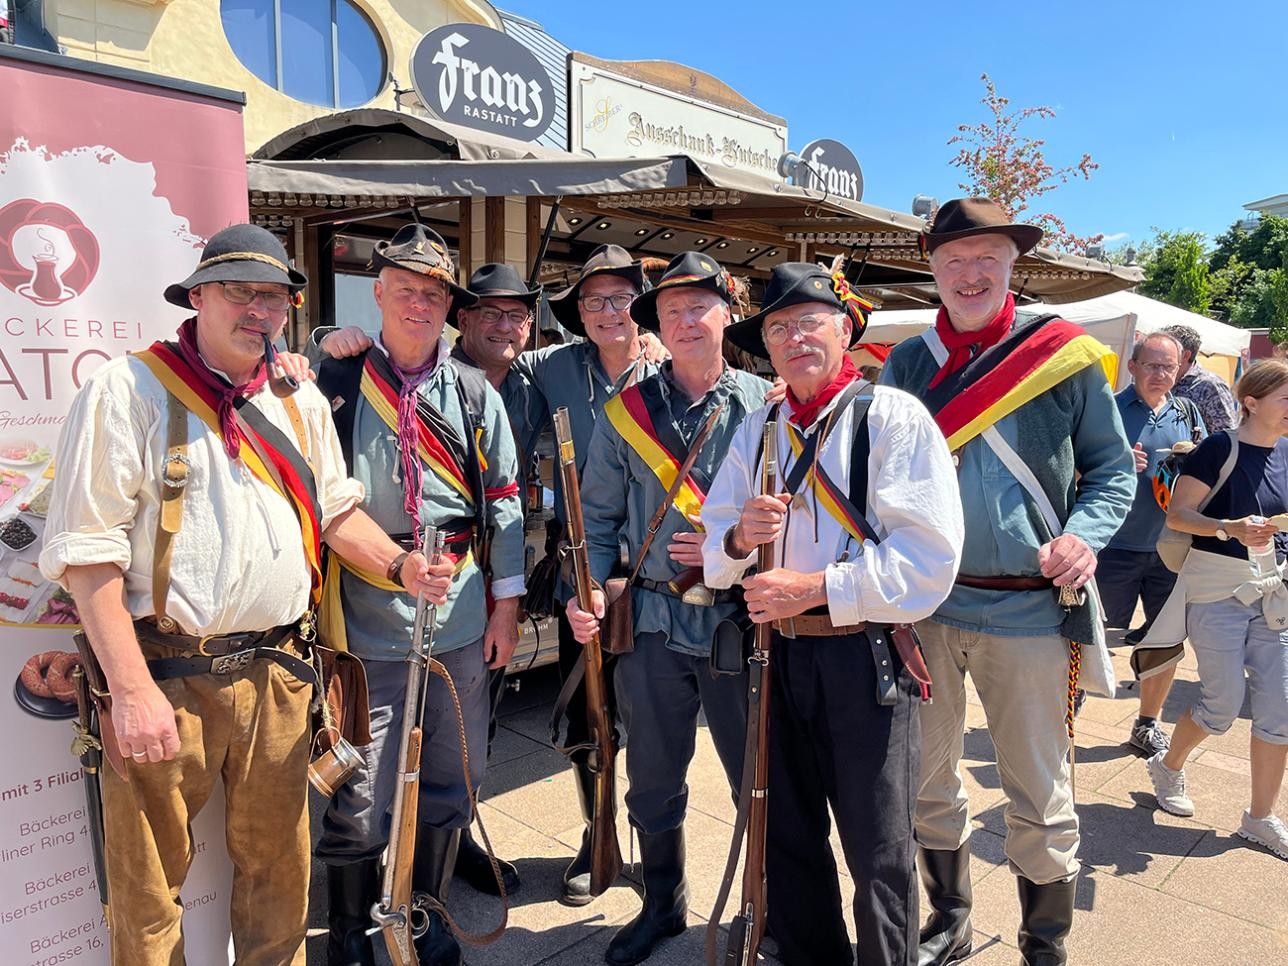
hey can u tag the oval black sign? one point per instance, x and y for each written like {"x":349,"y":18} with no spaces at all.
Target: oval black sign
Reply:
{"x":473,"y":75}
{"x":833,"y":168}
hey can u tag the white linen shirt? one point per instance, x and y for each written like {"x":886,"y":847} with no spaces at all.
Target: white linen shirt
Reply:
{"x":238,"y":560}
{"x":913,"y":505}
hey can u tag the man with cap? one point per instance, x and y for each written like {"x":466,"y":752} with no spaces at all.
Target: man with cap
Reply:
{"x":635,"y":455}
{"x":188,"y":512}
{"x":430,"y":440}
{"x":867,"y":529}
{"x":1046,"y":479}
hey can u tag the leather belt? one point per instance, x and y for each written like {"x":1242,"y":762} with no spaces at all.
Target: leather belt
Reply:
{"x":815,"y":625}
{"x":457,"y":534}
{"x":163,"y":669}
{"x":213,"y":645}
{"x":662,"y":587}
{"x":1005,"y":583}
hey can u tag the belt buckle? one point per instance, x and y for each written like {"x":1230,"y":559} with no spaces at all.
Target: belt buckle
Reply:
{"x":201,"y":644}
{"x":787,"y":627}
{"x":232,"y":663}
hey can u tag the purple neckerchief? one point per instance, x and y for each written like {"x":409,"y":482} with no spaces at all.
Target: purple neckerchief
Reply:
{"x":409,"y":434}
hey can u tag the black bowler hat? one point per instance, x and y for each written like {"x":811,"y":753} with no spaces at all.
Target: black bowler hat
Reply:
{"x":686,"y":270}
{"x":604,"y":260}
{"x":795,"y":283}
{"x":963,"y":217}
{"x":239,"y":253}
{"x":415,"y":248}
{"x":497,"y":281}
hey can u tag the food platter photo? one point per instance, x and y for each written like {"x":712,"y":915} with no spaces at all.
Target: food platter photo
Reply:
{"x":23,"y":452}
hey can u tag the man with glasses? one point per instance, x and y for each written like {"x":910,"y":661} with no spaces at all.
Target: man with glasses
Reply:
{"x":1129,"y":568}
{"x":867,"y":530}
{"x":431,"y":441}
{"x":185,"y":521}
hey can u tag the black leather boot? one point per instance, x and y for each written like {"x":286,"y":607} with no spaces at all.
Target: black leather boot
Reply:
{"x":473,"y":866}
{"x":432,"y":874}
{"x":665,"y":900}
{"x":1046,"y":916}
{"x":576,"y":878}
{"x":946,"y":937}
{"x":351,"y":891}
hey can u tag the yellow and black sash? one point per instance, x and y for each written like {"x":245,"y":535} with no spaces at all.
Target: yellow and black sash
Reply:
{"x":265,"y":450}
{"x":1033,"y":358}
{"x":640,"y":414}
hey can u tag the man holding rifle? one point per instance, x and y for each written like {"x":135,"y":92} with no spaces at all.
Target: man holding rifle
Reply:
{"x":869,"y":529}
{"x":691,"y":407}
{"x":431,"y":442}
{"x":193,"y":489}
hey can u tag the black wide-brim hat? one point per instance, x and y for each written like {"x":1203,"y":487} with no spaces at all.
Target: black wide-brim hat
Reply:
{"x":497,"y":281}
{"x":604,"y":260}
{"x":963,"y":217}
{"x":239,"y":253}
{"x":416,"y":248}
{"x":686,"y":270}
{"x":795,"y":283}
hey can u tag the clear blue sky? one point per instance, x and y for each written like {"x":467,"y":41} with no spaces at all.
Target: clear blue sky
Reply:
{"x":1183,"y":104}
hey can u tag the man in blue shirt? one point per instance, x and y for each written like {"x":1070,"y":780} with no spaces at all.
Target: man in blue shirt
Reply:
{"x":1129,"y":567}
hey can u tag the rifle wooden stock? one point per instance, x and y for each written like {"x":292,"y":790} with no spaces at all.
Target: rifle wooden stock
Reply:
{"x":605,"y":852}
{"x":399,"y":937}
{"x":748,"y":927}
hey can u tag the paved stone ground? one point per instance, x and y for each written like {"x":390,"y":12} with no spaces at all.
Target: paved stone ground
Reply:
{"x":1154,"y":889}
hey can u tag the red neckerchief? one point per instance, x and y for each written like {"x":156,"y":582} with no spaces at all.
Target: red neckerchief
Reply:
{"x":961,"y":344}
{"x":804,"y":414}
{"x":221,"y":387}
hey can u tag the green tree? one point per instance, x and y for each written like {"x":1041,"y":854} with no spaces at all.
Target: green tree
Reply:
{"x":1248,"y":263}
{"x":1177,"y":272}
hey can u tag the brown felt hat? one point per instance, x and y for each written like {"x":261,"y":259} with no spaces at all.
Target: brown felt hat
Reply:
{"x":604,"y":260}
{"x":963,"y":217}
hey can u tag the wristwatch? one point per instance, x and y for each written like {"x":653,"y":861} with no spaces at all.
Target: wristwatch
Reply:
{"x":1221,"y":533}
{"x":395,"y":567}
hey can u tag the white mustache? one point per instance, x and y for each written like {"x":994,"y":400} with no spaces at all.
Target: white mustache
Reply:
{"x":803,"y":351}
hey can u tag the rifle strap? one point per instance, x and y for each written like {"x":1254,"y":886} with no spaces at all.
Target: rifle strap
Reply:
{"x":572,"y":684}
{"x":751,"y":751}
{"x":428,"y":901}
{"x":174,"y":482}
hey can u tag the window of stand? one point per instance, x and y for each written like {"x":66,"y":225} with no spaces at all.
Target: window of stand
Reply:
{"x":324,"y":52}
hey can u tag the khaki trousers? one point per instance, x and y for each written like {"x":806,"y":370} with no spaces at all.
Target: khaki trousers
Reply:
{"x":251,"y":728}
{"x":1022,"y":683}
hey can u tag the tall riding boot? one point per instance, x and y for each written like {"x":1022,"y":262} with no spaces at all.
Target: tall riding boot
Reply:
{"x":946,"y":937}
{"x":1046,"y":916}
{"x":432,"y":874}
{"x":665,"y":900}
{"x":576,"y":878}
{"x":352,"y":891}
{"x":473,"y":866}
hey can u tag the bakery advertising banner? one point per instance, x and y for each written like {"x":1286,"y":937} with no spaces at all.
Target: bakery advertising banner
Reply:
{"x":108,"y":189}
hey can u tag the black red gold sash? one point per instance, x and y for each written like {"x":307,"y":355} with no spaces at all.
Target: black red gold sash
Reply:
{"x":264,"y":450}
{"x":639,"y":414}
{"x":1034,"y":358}
{"x":829,"y":495}
{"x":440,"y":446}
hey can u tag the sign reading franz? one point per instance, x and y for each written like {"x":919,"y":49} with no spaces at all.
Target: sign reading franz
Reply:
{"x":614,"y":116}
{"x":832,"y":168}
{"x":478,"y":77}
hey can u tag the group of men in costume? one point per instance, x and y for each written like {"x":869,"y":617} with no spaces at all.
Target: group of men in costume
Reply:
{"x":966,"y":496}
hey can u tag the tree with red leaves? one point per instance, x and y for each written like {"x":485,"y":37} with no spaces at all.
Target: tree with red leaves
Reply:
{"x":1013,"y":170}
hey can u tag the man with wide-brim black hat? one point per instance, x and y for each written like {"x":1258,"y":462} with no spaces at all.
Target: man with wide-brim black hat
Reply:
{"x":1046,"y":479}
{"x":430,"y":440}
{"x":647,"y":432}
{"x":867,"y":530}
{"x":186,"y":521}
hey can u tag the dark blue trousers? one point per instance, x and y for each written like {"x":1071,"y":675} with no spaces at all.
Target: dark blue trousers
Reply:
{"x":830,"y":743}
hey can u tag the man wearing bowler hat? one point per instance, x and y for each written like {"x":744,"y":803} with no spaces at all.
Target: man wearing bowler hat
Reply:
{"x":636,"y":452}
{"x":1046,"y":479}
{"x":430,"y":440}
{"x":867,"y":532}
{"x":186,"y":521}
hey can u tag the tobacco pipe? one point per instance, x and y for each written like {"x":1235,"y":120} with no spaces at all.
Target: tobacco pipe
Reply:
{"x":283,"y":385}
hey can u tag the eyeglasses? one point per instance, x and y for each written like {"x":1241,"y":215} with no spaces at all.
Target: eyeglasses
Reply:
{"x":597,"y":303}
{"x":491,"y":315}
{"x":780,"y":332}
{"x":244,"y":295}
{"x":1159,"y":368}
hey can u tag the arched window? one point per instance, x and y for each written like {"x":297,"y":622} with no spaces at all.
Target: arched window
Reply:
{"x":319,"y":51}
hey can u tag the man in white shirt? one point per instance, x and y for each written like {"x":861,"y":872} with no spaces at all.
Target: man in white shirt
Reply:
{"x":187,"y":519}
{"x":867,"y":530}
